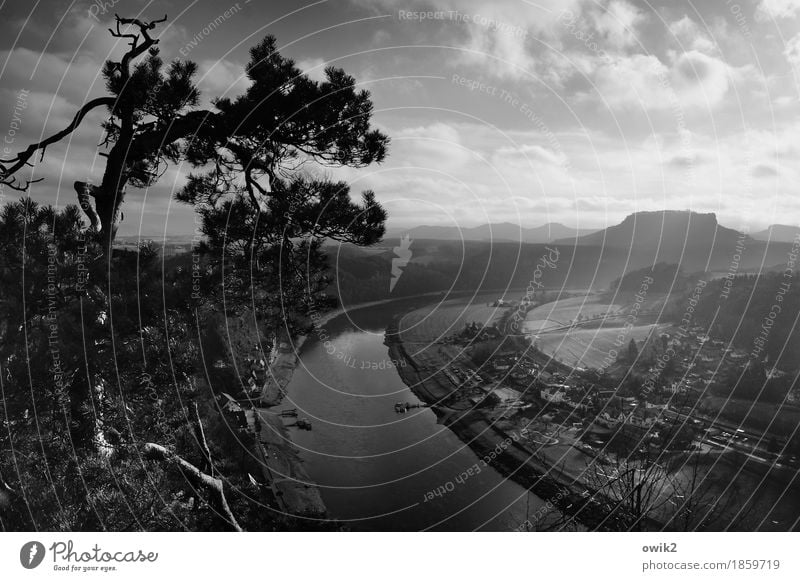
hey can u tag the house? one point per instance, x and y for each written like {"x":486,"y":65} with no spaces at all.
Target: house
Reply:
{"x":506,"y":394}
{"x":552,"y":395}
{"x":609,"y":420}
{"x":775,"y":373}
{"x":575,"y":405}
{"x":230,"y":405}
{"x":640,"y":418}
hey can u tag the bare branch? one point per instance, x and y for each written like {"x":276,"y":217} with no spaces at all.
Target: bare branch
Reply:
{"x":21,"y":160}
{"x":197,"y":477}
{"x":200,"y":434}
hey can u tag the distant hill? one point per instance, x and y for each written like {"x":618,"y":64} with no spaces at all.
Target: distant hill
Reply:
{"x":685,"y":242}
{"x":668,"y":229}
{"x":778,"y":233}
{"x":695,"y":241}
{"x":660,"y":278}
{"x":505,"y":232}
{"x":361,"y":275}
{"x":740,"y":317}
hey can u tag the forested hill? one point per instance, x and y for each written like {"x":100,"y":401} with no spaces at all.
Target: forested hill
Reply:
{"x":361,"y":275}
{"x":660,"y":278}
{"x":365,"y":274}
{"x":760,"y":315}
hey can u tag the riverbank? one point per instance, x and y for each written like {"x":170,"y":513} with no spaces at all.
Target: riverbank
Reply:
{"x":483,"y":438}
{"x":283,"y":472}
{"x":478,"y":429}
{"x":286,"y":356}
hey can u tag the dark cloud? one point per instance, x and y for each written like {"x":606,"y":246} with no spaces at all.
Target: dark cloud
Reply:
{"x":764,"y":171}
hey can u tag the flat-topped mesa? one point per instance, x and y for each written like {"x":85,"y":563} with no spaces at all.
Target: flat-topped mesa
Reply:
{"x":667,"y":229}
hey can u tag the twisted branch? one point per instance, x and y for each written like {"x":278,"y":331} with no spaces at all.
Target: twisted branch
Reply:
{"x":197,"y":477}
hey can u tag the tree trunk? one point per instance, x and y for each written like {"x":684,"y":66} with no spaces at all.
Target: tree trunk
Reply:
{"x":82,"y":421}
{"x":103,"y":214}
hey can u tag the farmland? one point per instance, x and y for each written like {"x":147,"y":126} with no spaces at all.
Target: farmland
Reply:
{"x":591,"y":348}
{"x":587,"y":331}
{"x":564,"y":312}
{"x":434,"y":322}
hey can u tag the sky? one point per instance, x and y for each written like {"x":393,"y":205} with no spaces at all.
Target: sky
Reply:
{"x":571,"y":111}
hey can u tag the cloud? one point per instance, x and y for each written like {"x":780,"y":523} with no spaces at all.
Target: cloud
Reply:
{"x":700,"y":79}
{"x":617,"y":23}
{"x":770,"y":9}
{"x":685,"y":160}
{"x":689,"y":35}
{"x":76,"y":79}
{"x":792,"y":51}
{"x":314,"y":68}
{"x":764,"y":171}
{"x":218,"y":78}
{"x":526,"y":154}
{"x":501,"y":52}
{"x":500,"y":36}
{"x":688,"y":80}
{"x":632,"y":81}
{"x":437,"y":146}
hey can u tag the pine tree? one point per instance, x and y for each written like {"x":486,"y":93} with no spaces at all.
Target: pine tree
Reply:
{"x":633,"y":351}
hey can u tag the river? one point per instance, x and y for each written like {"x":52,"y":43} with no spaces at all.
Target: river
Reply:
{"x":377,"y":469}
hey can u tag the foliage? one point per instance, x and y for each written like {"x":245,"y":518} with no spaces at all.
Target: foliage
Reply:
{"x":103,"y":351}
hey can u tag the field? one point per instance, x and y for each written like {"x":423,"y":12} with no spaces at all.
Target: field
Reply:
{"x":583,"y":331}
{"x":548,"y":325}
{"x":436,"y":321}
{"x":590,"y":348}
{"x":563,"y":312}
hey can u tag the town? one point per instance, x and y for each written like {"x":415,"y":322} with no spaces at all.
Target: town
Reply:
{"x":648,"y":407}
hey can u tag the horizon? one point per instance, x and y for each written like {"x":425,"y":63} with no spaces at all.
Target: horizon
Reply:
{"x":594,"y":228}
{"x":566,"y":112}
{"x":391,"y":232}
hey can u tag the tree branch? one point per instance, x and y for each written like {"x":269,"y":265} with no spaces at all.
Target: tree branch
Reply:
{"x":136,"y":48}
{"x":18,"y":162}
{"x":200,"y":434}
{"x":197,"y":477}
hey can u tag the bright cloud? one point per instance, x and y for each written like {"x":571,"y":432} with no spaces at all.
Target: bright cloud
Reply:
{"x":690,"y":36}
{"x":617,"y":23}
{"x":768,"y":9}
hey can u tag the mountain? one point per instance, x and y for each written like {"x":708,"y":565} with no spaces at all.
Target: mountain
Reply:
{"x":505,"y":232}
{"x":668,"y":228}
{"x":694,"y":241}
{"x":683,"y":242}
{"x":778,"y":233}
